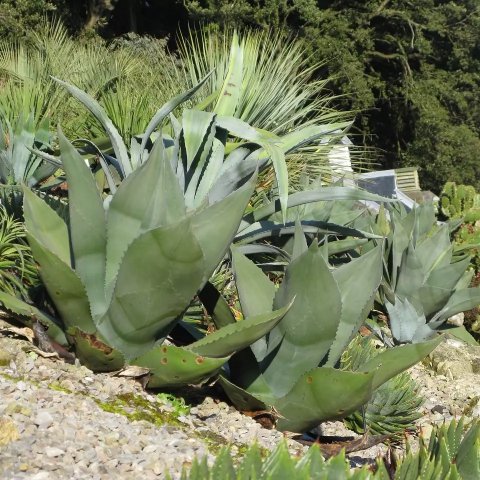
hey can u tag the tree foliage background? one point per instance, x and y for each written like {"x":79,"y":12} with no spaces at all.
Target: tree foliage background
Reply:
{"x":410,"y":68}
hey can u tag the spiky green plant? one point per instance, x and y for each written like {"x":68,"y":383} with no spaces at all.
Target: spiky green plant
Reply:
{"x":294,"y":370}
{"x":425,"y":278}
{"x":18,"y":164}
{"x":277,"y":88}
{"x":394,"y":406}
{"x":26,"y":71}
{"x":123,"y":271}
{"x":18,"y":272}
{"x":458,"y":201}
{"x":278,"y":464}
{"x":451,"y":453}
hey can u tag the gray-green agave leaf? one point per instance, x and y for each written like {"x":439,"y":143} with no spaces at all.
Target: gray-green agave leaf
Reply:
{"x":294,"y":369}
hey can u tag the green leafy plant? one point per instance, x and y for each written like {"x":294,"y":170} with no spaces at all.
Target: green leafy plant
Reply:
{"x":18,"y":272}
{"x":294,"y":370}
{"x":458,"y":201}
{"x":425,"y":280}
{"x":278,"y":464}
{"x":275,"y":89}
{"x":123,"y":271}
{"x":28,"y":65}
{"x":18,"y":165}
{"x":450,"y":453}
{"x":242,"y":161}
{"x":178,"y":404}
{"x":393,"y":407}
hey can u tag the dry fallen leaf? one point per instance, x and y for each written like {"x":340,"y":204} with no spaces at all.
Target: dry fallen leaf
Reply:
{"x":131,"y":371}
{"x":21,"y":332}
{"x":42,"y":353}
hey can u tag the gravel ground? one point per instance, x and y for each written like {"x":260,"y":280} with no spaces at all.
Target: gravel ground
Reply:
{"x":56,"y":421}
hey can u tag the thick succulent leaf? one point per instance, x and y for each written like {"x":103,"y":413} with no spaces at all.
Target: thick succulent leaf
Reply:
{"x":300,"y":242}
{"x":262,"y":248}
{"x":461,"y":333}
{"x":31,"y":313}
{"x":318,"y":195}
{"x":465,"y":280}
{"x":358,"y":283}
{"x":460,"y":301}
{"x":323,"y":394}
{"x":435,"y":251}
{"x":234,"y":170}
{"x":64,"y":287}
{"x":267,"y":228}
{"x":411,"y":276}
{"x":346,"y":245}
{"x":268,"y":141}
{"x":24,"y":136}
{"x":43,"y":223}
{"x":242,"y":399}
{"x":244,"y":372}
{"x":227,"y":340}
{"x":99,"y":113}
{"x":230,"y":93}
{"x":214,"y":227}
{"x":468,"y":455}
{"x":216,"y":305}
{"x":210,"y":174}
{"x":305,"y":136}
{"x":400,"y":240}
{"x":395,"y":360}
{"x":196,"y":126}
{"x":302,"y":339}
{"x":440,"y":285}
{"x":172,"y":366}
{"x":158,"y":277}
{"x":256,"y":292}
{"x":148,"y":198}
{"x":424,"y":219}
{"x":94,"y":353}
{"x":405,"y":320}
{"x":166,"y":109}
{"x":87,"y":225}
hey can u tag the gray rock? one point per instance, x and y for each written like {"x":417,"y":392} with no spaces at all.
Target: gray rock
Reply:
{"x":43,"y":419}
{"x":52,"y":452}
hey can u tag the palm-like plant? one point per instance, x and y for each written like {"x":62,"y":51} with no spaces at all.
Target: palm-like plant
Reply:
{"x":110,"y":74}
{"x":277,"y":88}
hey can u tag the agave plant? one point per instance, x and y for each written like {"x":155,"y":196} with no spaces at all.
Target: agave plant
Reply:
{"x":393,"y":407}
{"x":426,"y":281}
{"x":124,"y":269}
{"x":294,"y":369}
{"x":18,"y":165}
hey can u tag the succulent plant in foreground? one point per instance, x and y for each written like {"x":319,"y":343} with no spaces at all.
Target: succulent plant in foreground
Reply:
{"x":122,"y":272}
{"x":294,"y":369}
{"x":394,"y":406}
{"x":451,"y":453}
